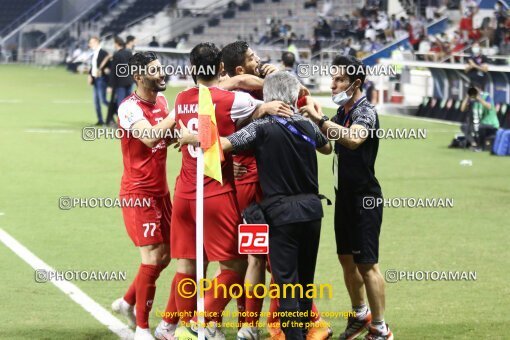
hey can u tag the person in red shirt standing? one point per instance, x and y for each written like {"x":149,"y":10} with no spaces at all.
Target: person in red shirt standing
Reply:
{"x":221,"y":211}
{"x":238,"y":58}
{"x":144,"y":120}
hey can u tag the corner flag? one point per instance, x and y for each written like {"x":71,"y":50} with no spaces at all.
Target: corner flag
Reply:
{"x":209,"y":159}
{"x":208,"y":135}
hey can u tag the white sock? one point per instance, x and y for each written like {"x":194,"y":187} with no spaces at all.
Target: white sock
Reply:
{"x":143,"y":330}
{"x":168,"y":326}
{"x":125,"y":305}
{"x":381,"y":326}
{"x":360,"y":310}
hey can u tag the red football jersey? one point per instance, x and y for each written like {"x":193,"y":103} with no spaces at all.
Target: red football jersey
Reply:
{"x":229,"y":106}
{"x":144,"y":167}
{"x":247,"y":158}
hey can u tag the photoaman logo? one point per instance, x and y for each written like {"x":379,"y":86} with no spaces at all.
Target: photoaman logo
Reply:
{"x":253,"y":239}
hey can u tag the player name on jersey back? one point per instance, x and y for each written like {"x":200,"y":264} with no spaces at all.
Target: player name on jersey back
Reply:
{"x":229,"y":107}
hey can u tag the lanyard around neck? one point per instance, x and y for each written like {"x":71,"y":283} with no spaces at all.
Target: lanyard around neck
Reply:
{"x":293,"y":129}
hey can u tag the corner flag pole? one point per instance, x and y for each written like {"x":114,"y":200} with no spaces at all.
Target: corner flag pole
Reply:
{"x":209,"y":156}
{"x":200,"y":242}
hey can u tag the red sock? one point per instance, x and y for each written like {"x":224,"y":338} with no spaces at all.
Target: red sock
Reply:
{"x":216,"y":299}
{"x":315,"y":314}
{"x":130,"y":296}
{"x":171,"y":307}
{"x":186,"y":306}
{"x":273,"y":310}
{"x":241,"y":308}
{"x":253,"y":309}
{"x":145,"y":291}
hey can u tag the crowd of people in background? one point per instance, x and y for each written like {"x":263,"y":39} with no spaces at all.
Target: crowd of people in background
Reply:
{"x":369,"y":28}
{"x":363,"y":32}
{"x":493,"y":32}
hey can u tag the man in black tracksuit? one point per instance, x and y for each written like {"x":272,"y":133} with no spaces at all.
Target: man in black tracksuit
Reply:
{"x":285,"y":149}
{"x":121,"y":82}
{"x":358,"y":212}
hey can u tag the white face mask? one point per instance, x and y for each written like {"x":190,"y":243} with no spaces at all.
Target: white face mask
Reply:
{"x":476,"y":50}
{"x":342,"y":98}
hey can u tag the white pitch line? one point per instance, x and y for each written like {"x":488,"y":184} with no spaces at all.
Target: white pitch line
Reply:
{"x":75,"y":293}
{"x":10,"y":101}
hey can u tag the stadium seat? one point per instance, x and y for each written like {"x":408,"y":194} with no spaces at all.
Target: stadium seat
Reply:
{"x":505,"y":116}
{"x":213,"y":22}
{"x":434,"y":108}
{"x":429,"y":108}
{"x":138,"y":9}
{"x":445,"y":109}
{"x":453,"y":111}
{"x":245,"y":6}
{"x":440,"y":105}
{"x":423,"y":107}
{"x":198,"y":29}
{"x":229,"y":14}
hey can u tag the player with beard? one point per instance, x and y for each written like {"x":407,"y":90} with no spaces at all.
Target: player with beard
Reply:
{"x":239,"y":59}
{"x":144,"y":119}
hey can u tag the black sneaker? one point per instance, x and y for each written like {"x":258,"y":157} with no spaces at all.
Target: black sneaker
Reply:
{"x":356,"y":326}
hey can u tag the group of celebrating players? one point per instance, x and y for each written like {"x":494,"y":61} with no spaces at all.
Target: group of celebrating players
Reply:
{"x":166,"y":230}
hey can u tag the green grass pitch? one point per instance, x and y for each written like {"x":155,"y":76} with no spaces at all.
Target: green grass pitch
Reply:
{"x":37,"y":168}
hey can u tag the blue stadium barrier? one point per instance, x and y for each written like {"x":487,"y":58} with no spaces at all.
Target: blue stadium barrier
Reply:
{"x":451,"y":82}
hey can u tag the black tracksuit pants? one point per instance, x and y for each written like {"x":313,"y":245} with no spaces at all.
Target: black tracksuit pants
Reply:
{"x":293,"y":255}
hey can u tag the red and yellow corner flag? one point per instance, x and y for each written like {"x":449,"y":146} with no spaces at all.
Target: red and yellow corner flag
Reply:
{"x":208,"y":135}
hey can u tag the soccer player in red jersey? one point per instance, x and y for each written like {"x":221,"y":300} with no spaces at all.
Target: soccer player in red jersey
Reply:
{"x":238,"y":58}
{"x":144,"y":119}
{"x":221,"y":211}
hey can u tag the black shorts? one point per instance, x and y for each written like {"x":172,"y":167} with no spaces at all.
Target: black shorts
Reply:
{"x":357,"y":226}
